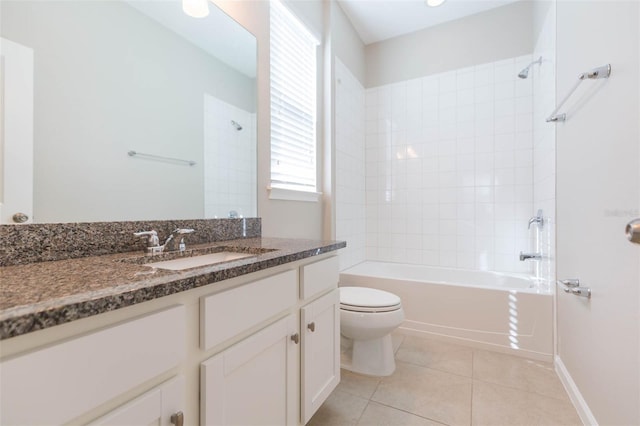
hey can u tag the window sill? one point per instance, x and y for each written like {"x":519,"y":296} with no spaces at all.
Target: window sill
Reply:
{"x":293,"y":195}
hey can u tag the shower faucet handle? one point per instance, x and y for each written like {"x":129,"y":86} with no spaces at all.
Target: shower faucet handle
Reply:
{"x":538,"y":219}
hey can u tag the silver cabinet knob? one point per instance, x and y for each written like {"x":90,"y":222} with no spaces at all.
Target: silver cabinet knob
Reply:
{"x":295,"y":338}
{"x":312,"y":326}
{"x":632,"y":231}
{"x":20,"y":217}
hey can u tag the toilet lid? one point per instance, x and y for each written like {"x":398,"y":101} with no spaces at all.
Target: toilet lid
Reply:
{"x":365,"y":299}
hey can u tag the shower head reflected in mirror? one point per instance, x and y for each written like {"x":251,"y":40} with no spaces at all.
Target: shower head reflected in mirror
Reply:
{"x":237,"y":125}
{"x":525,"y":72}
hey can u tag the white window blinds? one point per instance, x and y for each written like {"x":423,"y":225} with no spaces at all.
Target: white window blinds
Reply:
{"x":293,"y":102}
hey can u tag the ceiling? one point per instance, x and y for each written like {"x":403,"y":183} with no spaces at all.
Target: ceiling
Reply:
{"x":217,"y":34}
{"x":377,"y":20}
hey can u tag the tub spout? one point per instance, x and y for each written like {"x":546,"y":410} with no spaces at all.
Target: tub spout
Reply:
{"x":532,"y":256}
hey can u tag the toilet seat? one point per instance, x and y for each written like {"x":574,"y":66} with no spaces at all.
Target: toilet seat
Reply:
{"x":362,"y":299}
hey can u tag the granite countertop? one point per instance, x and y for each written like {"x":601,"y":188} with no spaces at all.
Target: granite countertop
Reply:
{"x":40,"y":295}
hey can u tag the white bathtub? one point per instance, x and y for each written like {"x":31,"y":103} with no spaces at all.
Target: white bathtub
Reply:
{"x":498,"y":311}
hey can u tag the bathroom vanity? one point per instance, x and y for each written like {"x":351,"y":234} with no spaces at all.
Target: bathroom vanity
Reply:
{"x":251,"y":341}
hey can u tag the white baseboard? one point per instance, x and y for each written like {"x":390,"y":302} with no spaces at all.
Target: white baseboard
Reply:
{"x":578,"y":401}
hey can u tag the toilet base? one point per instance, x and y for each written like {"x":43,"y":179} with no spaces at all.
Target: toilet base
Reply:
{"x":371,"y":357}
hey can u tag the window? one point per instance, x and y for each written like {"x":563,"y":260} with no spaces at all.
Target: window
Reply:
{"x":293,"y":102}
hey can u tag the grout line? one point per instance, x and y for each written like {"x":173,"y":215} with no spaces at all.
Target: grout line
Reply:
{"x":473,"y":389}
{"x":362,"y":413}
{"x":435,"y":369}
{"x":409,"y":412}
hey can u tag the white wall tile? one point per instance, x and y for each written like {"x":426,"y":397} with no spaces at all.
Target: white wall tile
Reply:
{"x":449,"y":168}
{"x":356,"y":141}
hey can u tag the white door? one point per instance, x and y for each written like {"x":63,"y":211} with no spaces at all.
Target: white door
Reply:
{"x":598,"y":193}
{"x":320,"y":352}
{"x":253,"y":382}
{"x":160,"y":406}
{"x":16,"y":132}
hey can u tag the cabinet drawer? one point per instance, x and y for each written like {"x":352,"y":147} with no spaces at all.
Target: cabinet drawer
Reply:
{"x":154,"y":407}
{"x":231,"y":312}
{"x":318,"y":277}
{"x":70,"y":378}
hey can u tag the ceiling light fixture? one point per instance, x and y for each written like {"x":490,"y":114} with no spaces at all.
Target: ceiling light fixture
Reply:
{"x":196,"y":8}
{"x":434,"y":3}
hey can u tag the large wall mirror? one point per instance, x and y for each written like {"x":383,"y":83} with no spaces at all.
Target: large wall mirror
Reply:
{"x":125,"y":110}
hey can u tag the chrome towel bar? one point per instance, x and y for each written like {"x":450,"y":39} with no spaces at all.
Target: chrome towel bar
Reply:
{"x":596,"y":73}
{"x":161,"y":158}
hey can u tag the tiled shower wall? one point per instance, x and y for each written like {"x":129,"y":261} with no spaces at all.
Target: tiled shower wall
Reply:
{"x":449,"y":168}
{"x":350,"y":166}
{"x":544,"y":144}
{"x":229,"y":160}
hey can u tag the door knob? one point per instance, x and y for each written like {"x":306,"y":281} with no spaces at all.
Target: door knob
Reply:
{"x":312,"y":326}
{"x":633,"y":231}
{"x":177,"y":418}
{"x":295,"y":338}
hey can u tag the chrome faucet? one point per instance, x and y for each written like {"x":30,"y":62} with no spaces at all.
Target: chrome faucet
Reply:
{"x":532,"y":256}
{"x":153,"y":242}
{"x":537,"y":219}
{"x":169,"y":244}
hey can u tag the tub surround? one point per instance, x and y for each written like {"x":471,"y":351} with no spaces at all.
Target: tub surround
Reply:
{"x":39,"y":295}
{"x":23,"y":244}
{"x":495,"y":311}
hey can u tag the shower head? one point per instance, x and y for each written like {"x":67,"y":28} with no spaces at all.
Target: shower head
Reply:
{"x":237,"y":125}
{"x":525,"y":72}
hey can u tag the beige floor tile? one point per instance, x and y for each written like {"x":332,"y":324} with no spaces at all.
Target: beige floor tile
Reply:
{"x":495,"y":405}
{"x":438,"y":355}
{"x":433,"y":394}
{"x":358,"y":384}
{"x":340,"y":409}
{"x":520,"y":373}
{"x":381,"y":415}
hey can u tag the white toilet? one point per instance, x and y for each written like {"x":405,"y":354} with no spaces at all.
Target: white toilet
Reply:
{"x":367,"y":318}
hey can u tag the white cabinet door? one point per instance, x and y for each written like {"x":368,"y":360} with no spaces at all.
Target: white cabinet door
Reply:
{"x":254,"y":382}
{"x":160,"y":406}
{"x":61,"y":379}
{"x":320,"y":352}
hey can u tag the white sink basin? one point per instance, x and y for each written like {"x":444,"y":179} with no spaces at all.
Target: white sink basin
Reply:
{"x":195,"y":261}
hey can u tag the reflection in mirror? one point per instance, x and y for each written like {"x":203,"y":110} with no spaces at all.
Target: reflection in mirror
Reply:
{"x":112,"y":77}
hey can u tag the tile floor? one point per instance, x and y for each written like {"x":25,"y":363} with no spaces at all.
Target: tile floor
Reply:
{"x":439,"y":383}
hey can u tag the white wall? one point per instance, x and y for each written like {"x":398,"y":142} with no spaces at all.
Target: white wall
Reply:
{"x":279,"y":218}
{"x":500,"y":33}
{"x":91,"y":109}
{"x":598,"y":192}
{"x":346,"y":43}
{"x":449,"y":168}
{"x":350,"y":165}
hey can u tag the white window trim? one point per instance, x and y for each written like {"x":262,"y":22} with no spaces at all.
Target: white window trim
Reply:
{"x":293,"y":195}
{"x":282,"y":192}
